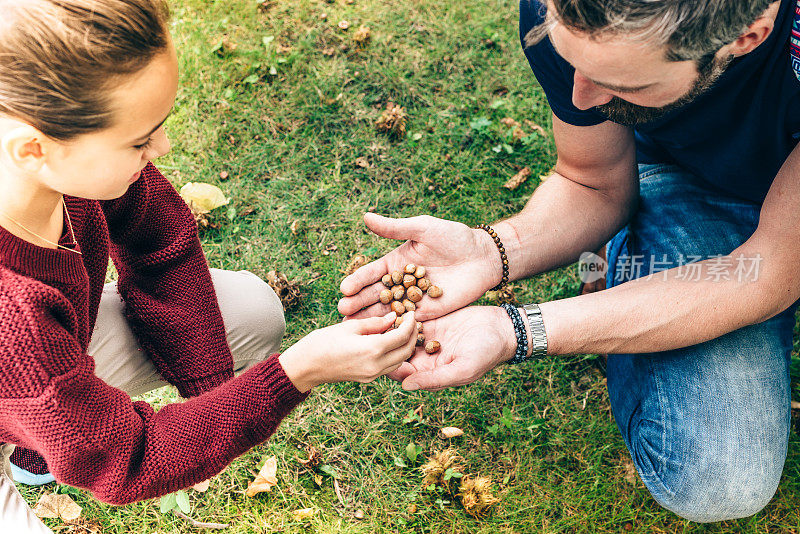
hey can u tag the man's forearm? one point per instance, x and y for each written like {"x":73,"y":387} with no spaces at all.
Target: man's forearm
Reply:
{"x":561,"y":220}
{"x":664,"y":311}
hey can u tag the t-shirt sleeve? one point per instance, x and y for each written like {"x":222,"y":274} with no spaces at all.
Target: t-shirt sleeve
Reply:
{"x":553,"y":73}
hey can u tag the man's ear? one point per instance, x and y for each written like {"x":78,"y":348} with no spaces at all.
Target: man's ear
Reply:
{"x":755,"y":34}
{"x":25,"y":148}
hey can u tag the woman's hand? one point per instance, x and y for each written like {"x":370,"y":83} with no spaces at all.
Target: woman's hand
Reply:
{"x":464,"y":262}
{"x":474,"y":340}
{"x":359,"y":350}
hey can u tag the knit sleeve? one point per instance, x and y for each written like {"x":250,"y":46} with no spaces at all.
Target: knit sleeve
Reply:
{"x":164,"y":279}
{"x":94,"y":436}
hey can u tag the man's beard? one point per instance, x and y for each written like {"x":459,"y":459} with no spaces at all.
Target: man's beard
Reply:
{"x":623,"y":112}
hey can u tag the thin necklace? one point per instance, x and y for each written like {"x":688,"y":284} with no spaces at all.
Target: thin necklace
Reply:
{"x":57,"y":245}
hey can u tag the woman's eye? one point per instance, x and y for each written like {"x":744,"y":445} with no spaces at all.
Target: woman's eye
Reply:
{"x":144,"y":145}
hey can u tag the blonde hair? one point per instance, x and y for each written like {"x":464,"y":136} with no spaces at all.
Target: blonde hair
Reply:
{"x":60,"y":58}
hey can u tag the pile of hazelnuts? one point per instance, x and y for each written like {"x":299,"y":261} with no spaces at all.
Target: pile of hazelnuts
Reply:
{"x":403,"y":291}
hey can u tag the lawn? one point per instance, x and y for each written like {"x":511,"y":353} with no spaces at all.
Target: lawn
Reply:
{"x":277,"y":107}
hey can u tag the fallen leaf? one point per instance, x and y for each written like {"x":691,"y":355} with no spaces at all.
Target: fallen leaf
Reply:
{"x":362,"y":35}
{"x":533,"y":126}
{"x":328,"y":51}
{"x":392,"y":120}
{"x":518,"y":133}
{"x":359,"y":514}
{"x":451,"y":432}
{"x":303,"y":514}
{"x":223,"y":175}
{"x":343,"y":24}
{"x":518,"y":179}
{"x":505,"y":295}
{"x":508,"y":121}
{"x":59,"y":506}
{"x":356,"y":263}
{"x":318,"y":479}
{"x":202,"y":486}
{"x":266,"y":479}
{"x":362,"y":162}
{"x":288,"y":291}
{"x":202,"y":198}
{"x":314,"y":457}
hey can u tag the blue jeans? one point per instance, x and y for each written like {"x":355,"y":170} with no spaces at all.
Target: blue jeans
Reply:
{"x":707,"y":426}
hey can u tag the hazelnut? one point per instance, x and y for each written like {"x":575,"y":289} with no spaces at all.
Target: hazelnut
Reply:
{"x":413,"y":293}
{"x":432,"y":346}
{"x":420,"y":272}
{"x":420,"y":340}
{"x":409,"y":306}
{"x":387,"y":280}
{"x":419,"y":326}
{"x":398,"y":308}
{"x":410,"y":268}
{"x":397,"y":277}
{"x":409,"y":280}
{"x":423,"y":284}
{"x":435,"y":292}
{"x":398,"y":292}
{"x":386,"y":296}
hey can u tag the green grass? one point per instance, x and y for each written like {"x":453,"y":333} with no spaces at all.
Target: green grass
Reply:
{"x":289,"y":143}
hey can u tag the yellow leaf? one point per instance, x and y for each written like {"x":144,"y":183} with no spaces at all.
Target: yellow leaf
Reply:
{"x":451,"y":432}
{"x":303,"y":514}
{"x":202,"y":486}
{"x":57,"y":506}
{"x":203,"y":198}
{"x":516,"y":180}
{"x":266,"y":479}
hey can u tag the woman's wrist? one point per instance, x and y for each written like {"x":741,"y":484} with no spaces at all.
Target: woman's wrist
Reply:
{"x":302,"y":378}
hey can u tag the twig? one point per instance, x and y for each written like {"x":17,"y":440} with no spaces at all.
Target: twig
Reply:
{"x":584,"y":401}
{"x":199,"y":524}
{"x":338,"y":491}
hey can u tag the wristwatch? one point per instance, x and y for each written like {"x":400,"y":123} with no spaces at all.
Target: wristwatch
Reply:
{"x":538,"y":335}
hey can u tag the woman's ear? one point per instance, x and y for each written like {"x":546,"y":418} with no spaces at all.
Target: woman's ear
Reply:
{"x":24,"y":147}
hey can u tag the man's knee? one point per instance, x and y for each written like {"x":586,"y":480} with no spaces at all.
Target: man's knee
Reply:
{"x":253,"y":315}
{"x":709,"y":487}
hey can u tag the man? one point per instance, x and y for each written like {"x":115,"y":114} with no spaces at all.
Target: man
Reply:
{"x":675,"y":124}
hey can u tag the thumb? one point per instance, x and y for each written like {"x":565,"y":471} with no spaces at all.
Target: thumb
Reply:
{"x":452,"y":373}
{"x":408,"y":228}
{"x":374,"y":325}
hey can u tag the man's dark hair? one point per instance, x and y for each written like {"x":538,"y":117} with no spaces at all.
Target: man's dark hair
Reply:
{"x":691,"y":29}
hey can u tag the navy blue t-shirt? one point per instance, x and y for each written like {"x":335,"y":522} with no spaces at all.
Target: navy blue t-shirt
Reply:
{"x":735,"y":137}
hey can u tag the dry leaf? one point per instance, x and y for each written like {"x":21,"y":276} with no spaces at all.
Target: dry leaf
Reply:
{"x":505,"y":295}
{"x":202,"y":198}
{"x":533,"y":126}
{"x":362,"y":35}
{"x":362,"y":162}
{"x":451,"y":432}
{"x":476,"y":496}
{"x":508,"y":121}
{"x":356,"y":263}
{"x":266,"y":479}
{"x":343,"y":24}
{"x":318,"y":480}
{"x":59,"y":506}
{"x":328,"y":51}
{"x":303,"y":514}
{"x":392,"y":120}
{"x":223,"y":175}
{"x":314,"y":457}
{"x":202,"y":486}
{"x":288,"y":292}
{"x":518,"y":179}
{"x":359,"y":514}
{"x":518,"y":134}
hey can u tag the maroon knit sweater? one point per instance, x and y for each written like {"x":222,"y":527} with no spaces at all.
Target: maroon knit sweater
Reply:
{"x":92,"y":435}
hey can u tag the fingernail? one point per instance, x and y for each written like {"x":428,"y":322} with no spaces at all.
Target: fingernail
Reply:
{"x":411,"y":387}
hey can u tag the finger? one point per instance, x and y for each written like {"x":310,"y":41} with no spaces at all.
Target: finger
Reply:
{"x":454,"y":373}
{"x":374,"y":325}
{"x":403,"y":370}
{"x":363,"y":276}
{"x":401,"y":354}
{"x":365,"y":297}
{"x":408,"y":228}
{"x":376,"y":310}
{"x":402,"y":335}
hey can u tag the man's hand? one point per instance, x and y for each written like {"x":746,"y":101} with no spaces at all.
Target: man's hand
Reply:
{"x":474,"y":340}
{"x":464,"y":262}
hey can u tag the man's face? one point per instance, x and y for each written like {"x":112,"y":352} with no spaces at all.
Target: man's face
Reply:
{"x":628,"y":80}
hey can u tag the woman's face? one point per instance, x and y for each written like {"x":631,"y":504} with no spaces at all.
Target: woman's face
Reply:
{"x":102,"y":165}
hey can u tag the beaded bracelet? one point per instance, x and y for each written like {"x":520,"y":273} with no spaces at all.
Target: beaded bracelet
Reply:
{"x":519,"y":330}
{"x":503,"y":257}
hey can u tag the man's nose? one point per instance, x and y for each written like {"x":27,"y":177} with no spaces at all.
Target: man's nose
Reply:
{"x":585,"y":94}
